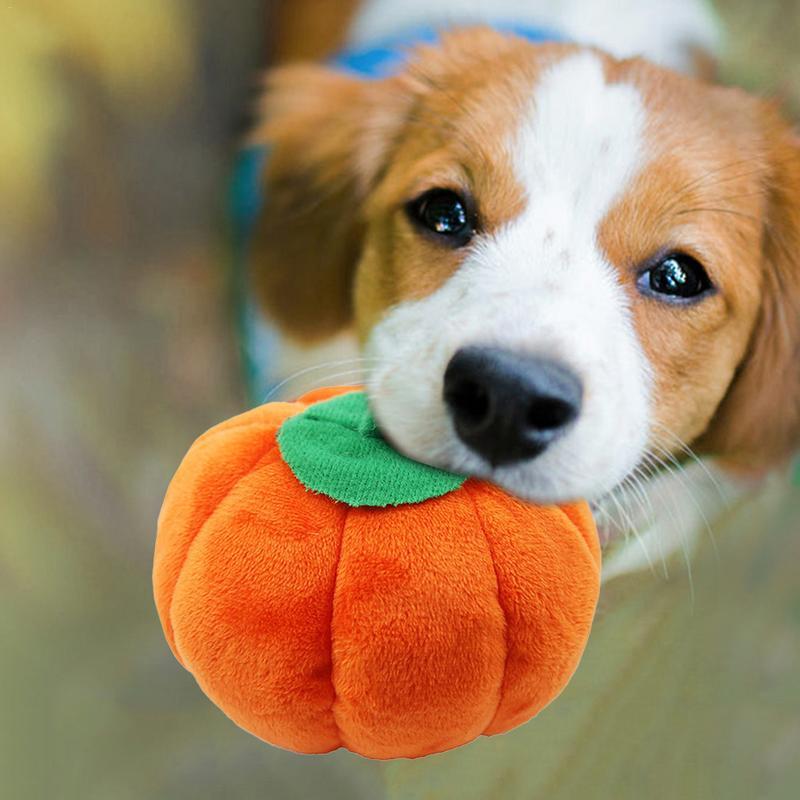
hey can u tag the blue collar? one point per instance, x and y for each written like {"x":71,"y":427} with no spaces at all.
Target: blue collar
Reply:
{"x":389,"y":56}
{"x":257,"y":342}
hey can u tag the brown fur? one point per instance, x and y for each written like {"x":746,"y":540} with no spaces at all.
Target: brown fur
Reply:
{"x":724,"y":381}
{"x":309,"y":234}
{"x":759,"y":419}
{"x":709,"y":205}
{"x":334,"y":245}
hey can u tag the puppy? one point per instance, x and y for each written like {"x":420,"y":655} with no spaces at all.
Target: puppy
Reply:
{"x":565,"y":264}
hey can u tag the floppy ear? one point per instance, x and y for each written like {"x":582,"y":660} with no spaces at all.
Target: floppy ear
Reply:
{"x":327,"y":135}
{"x":758,"y":423}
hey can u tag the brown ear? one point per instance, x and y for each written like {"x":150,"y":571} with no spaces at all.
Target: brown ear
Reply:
{"x":327,"y":135}
{"x":758,"y":423}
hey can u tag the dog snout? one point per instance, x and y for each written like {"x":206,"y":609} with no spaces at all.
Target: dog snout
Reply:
{"x":508,"y":406}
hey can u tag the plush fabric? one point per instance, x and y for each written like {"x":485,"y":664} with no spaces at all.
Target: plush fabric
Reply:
{"x":393,"y":632}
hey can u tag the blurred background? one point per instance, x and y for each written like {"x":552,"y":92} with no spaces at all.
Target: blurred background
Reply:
{"x":118,"y":125}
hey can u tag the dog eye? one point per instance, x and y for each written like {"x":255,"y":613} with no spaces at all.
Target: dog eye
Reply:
{"x":677,"y":276}
{"x":445,"y":214}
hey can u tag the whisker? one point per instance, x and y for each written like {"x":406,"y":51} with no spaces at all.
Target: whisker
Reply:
{"x":710,"y":179}
{"x":705,"y":179}
{"x":679,"y":521}
{"x":679,"y":472}
{"x":351,"y":378}
{"x":625,"y":524}
{"x":699,"y":461}
{"x":656,"y":465}
{"x":640,"y":493}
{"x":714,"y":483}
{"x":709,"y":210}
{"x":325,"y":365}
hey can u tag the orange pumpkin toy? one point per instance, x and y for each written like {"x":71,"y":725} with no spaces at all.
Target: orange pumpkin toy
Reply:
{"x":327,"y":592}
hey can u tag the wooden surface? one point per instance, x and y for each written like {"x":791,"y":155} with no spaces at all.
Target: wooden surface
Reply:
{"x":116,"y":351}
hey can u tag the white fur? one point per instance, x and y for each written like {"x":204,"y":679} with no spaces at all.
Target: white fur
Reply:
{"x":664,"y":31}
{"x":540,"y":285}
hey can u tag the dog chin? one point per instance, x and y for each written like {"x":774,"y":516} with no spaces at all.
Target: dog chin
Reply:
{"x":535,"y":483}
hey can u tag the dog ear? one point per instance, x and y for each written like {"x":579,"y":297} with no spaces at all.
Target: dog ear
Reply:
{"x":758,"y":422}
{"x":327,"y":135}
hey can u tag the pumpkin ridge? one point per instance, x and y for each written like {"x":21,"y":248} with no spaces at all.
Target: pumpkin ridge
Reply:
{"x":596,"y":559}
{"x":336,"y":724}
{"x":490,"y":550}
{"x":257,"y":464}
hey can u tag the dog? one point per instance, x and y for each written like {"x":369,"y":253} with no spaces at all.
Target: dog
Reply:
{"x":567,"y":261}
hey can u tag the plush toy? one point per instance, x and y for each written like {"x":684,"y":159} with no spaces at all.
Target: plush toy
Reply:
{"x":325,"y":591}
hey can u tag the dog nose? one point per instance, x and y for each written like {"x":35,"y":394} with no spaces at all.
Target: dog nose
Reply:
{"x":507,"y":406}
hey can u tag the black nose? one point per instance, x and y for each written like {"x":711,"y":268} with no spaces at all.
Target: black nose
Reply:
{"x":507,"y":406}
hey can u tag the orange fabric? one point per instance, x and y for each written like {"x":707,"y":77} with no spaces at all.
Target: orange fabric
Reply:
{"x":392,"y":632}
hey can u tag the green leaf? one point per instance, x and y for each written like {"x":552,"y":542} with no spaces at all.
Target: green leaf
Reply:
{"x":335,"y":448}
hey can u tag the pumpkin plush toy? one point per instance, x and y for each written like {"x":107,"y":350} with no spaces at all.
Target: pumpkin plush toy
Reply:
{"x":325,"y":591}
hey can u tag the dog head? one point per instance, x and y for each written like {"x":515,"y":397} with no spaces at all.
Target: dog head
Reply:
{"x":558,"y":262}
